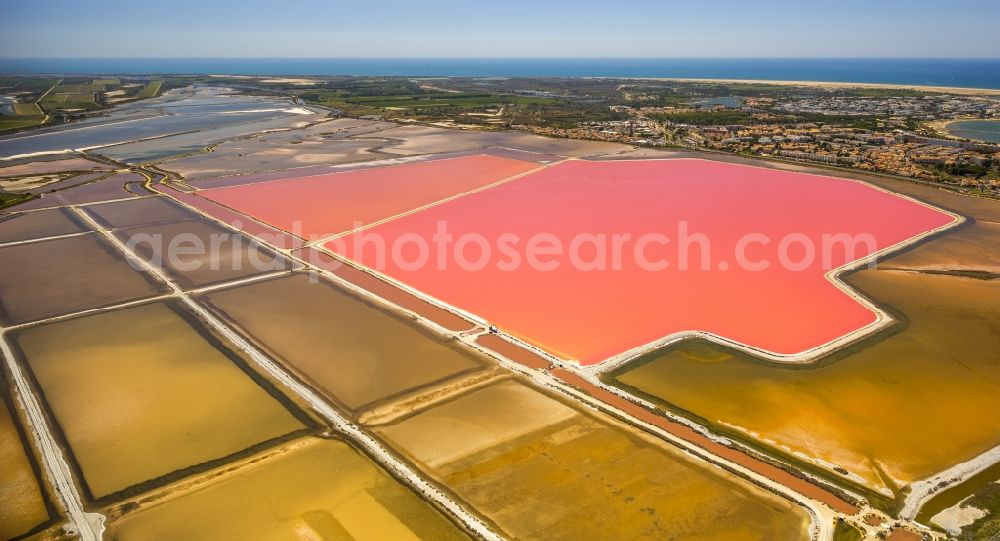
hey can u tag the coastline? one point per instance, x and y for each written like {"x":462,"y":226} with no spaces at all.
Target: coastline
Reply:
{"x":941,"y":127}
{"x":832,"y":85}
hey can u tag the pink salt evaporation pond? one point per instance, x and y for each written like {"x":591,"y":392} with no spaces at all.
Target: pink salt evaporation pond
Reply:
{"x":590,"y":316}
{"x":322,"y":205}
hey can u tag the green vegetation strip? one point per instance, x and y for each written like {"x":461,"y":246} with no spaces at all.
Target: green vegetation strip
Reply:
{"x":151,"y":89}
{"x":72,"y":100}
{"x":842,"y":531}
{"x":27,"y":109}
{"x":26,"y":84}
{"x":77,"y":89}
{"x":15,"y":122}
{"x":987,"y":527}
{"x":445,"y":100}
{"x":11,"y":199}
{"x":25,"y":115}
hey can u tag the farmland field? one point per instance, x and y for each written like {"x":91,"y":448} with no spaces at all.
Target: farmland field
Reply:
{"x":151,"y":89}
{"x":27,"y":109}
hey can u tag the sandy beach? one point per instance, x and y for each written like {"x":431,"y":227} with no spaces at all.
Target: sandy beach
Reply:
{"x":831,"y":85}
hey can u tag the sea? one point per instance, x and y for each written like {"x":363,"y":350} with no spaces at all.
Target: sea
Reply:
{"x":979,"y":130}
{"x":955,"y":72}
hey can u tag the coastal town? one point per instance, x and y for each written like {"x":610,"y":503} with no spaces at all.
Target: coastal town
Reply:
{"x":904,"y":140}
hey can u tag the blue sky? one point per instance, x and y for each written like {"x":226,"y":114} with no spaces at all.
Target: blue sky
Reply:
{"x":507,"y":28}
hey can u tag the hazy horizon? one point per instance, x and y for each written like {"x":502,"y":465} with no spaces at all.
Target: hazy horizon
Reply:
{"x":517,"y":29}
{"x":423,"y":57}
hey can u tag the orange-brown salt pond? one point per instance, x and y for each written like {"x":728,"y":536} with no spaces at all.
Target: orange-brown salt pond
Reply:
{"x":142,"y":395}
{"x":513,"y":452}
{"x":351,"y":350}
{"x":385,"y":290}
{"x":22,"y":501}
{"x":901,"y":408}
{"x":309,"y":489}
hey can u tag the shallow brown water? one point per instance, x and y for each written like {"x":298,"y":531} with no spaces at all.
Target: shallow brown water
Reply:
{"x":274,"y":151}
{"x":730,"y":454}
{"x":143,"y":211}
{"x":56,"y":277}
{"x":971,"y":247}
{"x":385,"y":290}
{"x":349,"y":349}
{"x":539,"y":468}
{"x":51,"y":166}
{"x":37,"y":225}
{"x":71,"y":182}
{"x":141,"y":392}
{"x":196,"y":253}
{"x":976,"y":207}
{"x":106,"y":189}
